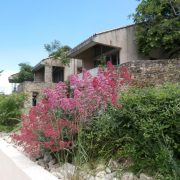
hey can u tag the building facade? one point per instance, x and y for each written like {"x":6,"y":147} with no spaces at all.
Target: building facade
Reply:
{"x":117,"y":45}
{"x":47,"y":73}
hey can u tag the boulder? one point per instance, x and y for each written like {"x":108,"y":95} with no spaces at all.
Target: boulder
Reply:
{"x":144,"y":177}
{"x":108,"y":171}
{"x":88,"y":177}
{"x":101,"y":174}
{"x":127,"y":176}
{"x":110,"y":176}
{"x":100,"y":167}
{"x":57,"y":174}
{"x":69,"y":168}
{"x":42,"y":163}
{"x":113,"y":164}
{"x":47,"y":158}
{"x":51,"y":163}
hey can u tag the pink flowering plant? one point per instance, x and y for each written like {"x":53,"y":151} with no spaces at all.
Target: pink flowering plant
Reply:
{"x":53,"y":125}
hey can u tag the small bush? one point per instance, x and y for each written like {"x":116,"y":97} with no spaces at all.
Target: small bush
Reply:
{"x":10,"y":109}
{"x":146,"y":129}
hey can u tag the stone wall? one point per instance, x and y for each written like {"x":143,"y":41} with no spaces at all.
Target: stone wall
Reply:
{"x":155,"y":71}
{"x":29,"y":87}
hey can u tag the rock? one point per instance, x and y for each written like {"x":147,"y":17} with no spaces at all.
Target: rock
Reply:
{"x":136,"y":178}
{"x":84,"y":175}
{"x":127,"y":176}
{"x":57,"y":174}
{"x":51,"y":163}
{"x":108,"y":171}
{"x":99,"y":178}
{"x":144,"y":177}
{"x":88,"y":177}
{"x":100,"y":167}
{"x":32,"y":159}
{"x":112,"y":164}
{"x":53,"y":167}
{"x":20,"y":148}
{"x":60,"y":173}
{"x":91,"y":178}
{"x":69,"y":168}
{"x":101,"y":174}
{"x":66,"y":170}
{"x":41,"y":163}
{"x":56,"y":169}
{"x":47,"y":158}
{"x":8,"y":139}
{"x":110,"y":176}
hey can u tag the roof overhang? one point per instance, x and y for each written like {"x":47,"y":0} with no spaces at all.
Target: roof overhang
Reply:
{"x":37,"y":67}
{"x":82,"y":47}
{"x":91,"y":41}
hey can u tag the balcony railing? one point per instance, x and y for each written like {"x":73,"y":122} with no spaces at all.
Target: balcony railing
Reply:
{"x":93,"y":72}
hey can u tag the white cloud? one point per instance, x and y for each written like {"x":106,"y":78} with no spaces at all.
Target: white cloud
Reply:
{"x":5,"y":86}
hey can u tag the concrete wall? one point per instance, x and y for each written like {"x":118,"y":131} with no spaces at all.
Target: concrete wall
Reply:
{"x":154,"y":71}
{"x":124,"y":38}
{"x":68,"y":70}
{"x":48,"y":74}
{"x":116,"y":38}
{"x":132,"y":49}
{"x":93,"y":72}
{"x":39,"y":75}
{"x":16,"y":166}
{"x":88,"y":58}
{"x":72,"y":68}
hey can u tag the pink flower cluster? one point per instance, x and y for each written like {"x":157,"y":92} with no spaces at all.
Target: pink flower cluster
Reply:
{"x":55,"y":121}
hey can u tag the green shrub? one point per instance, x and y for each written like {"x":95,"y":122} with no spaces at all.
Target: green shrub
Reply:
{"x":10,"y":109}
{"x":146,"y":129}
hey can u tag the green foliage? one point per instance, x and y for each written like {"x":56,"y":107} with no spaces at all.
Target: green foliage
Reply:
{"x":99,"y":137}
{"x":4,"y":128}
{"x":153,"y":115}
{"x":146,"y":129}
{"x":158,"y":23}
{"x":58,"y":51}
{"x":25,"y":73}
{"x":10,"y":110}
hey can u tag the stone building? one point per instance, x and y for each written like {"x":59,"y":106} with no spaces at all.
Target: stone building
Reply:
{"x":117,"y":45}
{"x":47,"y":73}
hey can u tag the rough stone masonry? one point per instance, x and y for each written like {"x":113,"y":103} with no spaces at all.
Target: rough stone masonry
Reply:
{"x":155,"y":71}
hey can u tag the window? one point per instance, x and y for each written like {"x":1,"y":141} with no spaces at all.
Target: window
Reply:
{"x":114,"y":58}
{"x":34,"y":98}
{"x":106,"y":54}
{"x":58,"y":74}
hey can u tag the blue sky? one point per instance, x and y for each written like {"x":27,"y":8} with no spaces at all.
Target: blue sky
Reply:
{"x":26,"y":25}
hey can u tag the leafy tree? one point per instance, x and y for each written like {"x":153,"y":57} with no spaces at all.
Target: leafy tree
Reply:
{"x":25,"y":73}
{"x":58,"y":51}
{"x":158,"y":26}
